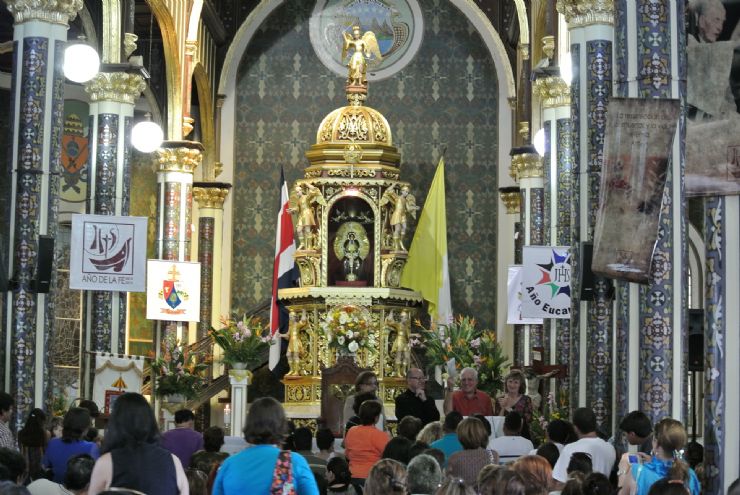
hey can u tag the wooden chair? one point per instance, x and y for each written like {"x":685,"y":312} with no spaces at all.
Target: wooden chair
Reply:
{"x":337,"y":383}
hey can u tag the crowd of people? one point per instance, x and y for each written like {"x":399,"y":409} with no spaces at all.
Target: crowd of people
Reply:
{"x":456,"y":454}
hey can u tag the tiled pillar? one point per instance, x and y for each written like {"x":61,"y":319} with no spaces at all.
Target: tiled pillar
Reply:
{"x":590,"y":25}
{"x":37,"y":111}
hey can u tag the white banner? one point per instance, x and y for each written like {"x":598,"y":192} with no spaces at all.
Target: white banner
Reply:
{"x":546,"y":282}
{"x":115,"y":375}
{"x":514,"y":291}
{"x":173,"y":290}
{"x":108,"y":253}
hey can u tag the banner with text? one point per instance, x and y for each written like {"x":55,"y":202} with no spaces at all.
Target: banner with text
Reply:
{"x":108,"y":253}
{"x":546,"y":282}
{"x":514,"y":291}
{"x":173,"y":290}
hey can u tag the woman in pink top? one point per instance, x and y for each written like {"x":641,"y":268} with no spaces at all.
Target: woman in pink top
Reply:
{"x":364,"y":444}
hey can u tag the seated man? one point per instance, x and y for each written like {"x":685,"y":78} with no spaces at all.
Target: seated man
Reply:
{"x":183,"y":440}
{"x":468,"y":400}
{"x":449,"y":443}
{"x":512,"y":445}
{"x":414,"y":401}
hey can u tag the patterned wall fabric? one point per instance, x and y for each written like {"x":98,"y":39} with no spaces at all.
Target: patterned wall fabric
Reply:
{"x":446,"y":97}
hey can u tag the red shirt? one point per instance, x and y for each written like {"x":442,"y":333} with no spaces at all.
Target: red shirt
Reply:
{"x":480,"y":403}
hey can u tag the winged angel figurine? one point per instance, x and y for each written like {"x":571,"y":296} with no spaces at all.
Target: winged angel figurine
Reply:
{"x":301,"y":203}
{"x":365,"y":46}
{"x":402,"y":204}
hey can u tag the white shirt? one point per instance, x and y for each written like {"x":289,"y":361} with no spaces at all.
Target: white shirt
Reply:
{"x":602,"y":457}
{"x":510,"y":448}
{"x":46,"y":487}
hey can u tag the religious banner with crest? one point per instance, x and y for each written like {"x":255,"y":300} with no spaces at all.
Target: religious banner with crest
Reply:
{"x":173,"y":290}
{"x":108,"y":254}
{"x":546,"y":282}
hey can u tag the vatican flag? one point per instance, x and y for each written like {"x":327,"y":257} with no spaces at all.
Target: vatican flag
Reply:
{"x":426,"y":270}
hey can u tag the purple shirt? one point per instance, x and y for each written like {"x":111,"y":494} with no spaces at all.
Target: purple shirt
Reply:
{"x":183,"y":442}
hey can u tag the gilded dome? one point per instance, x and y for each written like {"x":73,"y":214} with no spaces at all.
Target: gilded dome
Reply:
{"x":354,"y":124}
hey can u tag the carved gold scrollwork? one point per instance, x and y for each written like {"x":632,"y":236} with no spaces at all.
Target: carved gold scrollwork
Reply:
{"x":379,"y":128}
{"x":310,"y":267}
{"x":353,"y":127}
{"x":326,"y":130}
{"x":387,"y":174}
{"x":312,"y":174}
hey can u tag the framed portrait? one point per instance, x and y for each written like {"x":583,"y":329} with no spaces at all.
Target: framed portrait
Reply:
{"x":110,"y":399}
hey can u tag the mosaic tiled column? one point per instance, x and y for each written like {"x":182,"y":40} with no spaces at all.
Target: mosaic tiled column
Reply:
{"x":554,"y":96}
{"x":175,"y":162}
{"x":527,"y":170}
{"x":112,"y":99}
{"x":651,"y":338}
{"x":37,"y":111}
{"x":721,"y":343}
{"x":210,"y":197}
{"x":591,"y":33}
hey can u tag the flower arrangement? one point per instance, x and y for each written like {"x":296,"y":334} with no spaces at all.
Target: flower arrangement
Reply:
{"x":553,"y":408}
{"x":469,"y":346}
{"x":346,"y":328}
{"x":244,"y":340}
{"x":179,"y":371}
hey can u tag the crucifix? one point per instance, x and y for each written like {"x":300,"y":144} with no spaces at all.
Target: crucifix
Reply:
{"x":173,"y":273}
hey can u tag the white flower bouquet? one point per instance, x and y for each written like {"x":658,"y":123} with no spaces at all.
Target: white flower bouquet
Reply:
{"x":346,"y":328}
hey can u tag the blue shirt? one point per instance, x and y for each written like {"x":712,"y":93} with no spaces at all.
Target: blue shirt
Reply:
{"x":251,"y":471}
{"x":645,"y":475}
{"x":58,"y":453}
{"x":449,"y":444}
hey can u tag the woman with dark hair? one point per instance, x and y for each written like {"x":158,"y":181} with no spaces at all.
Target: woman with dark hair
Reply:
{"x":358,"y":400}
{"x":339,"y":477}
{"x":75,"y":425}
{"x":132,"y":456}
{"x":211,"y":455}
{"x":398,"y":449}
{"x":364,"y":444}
{"x":636,"y":476}
{"x":669,"y":487}
{"x":514,"y":399}
{"x":263,"y":467}
{"x":32,"y":440}
{"x":366,"y":381}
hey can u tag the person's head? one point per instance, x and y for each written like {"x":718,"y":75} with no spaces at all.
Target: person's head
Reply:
{"x":513,"y":424}
{"x":560,"y":431}
{"x":515,"y":382}
{"x":669,"y":442}
{"x":131,"y":423}
{"x":415,"y":379}
{"x":15,"y":463}
{"x":597,"y":484}
{"x":472,"y":434}
{"x":409,"y":427}
{"x":710,"y":19}
{"x":694,"y":454}
{"x":487,"y":472}
{"x":536,"y":473}
{"x":398,"y":449}
{"x":92,"y":435}
{"x":79,"y":470}
{"x":423,"y":474}
{"x":6,"y":407}
{"x":485,"y":422}
{"x":438,"y":455}
{"x":266,"y":423}
{"x":386,"y":477}
{"x":360,"y":398}
{"x":452,"y":420}
{"x":11,"y":488}
{"x":370,"y":412}
{"x":302,"y":438}
{"x":580,"y":462}
{"x":213,"y":439}
{"x":574,"y":485}
{"x":503,"y":482}
{"x":366,"y":381}
{"x":197,"y":481}
{"x":337,"y":471}
{"x":636,"y":427}
{"x":468,"y":380}
{"x":550,"y":452}
{"x":325,"y":440}
{"x":184,"y":418}
{"x":454,"y":486}
{"x":75,"y":424}
{"x":417,"y":448}
{"x":584,"y":421}
{"x":430,"y":433}
{"x":55,"y":427}
{"x":91,"y":407}
{"x":33,"y":433}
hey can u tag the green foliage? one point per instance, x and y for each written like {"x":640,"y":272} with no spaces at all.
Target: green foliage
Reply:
{"x":244,"y":340}
{"x":179,"y":371}
{"x":553,"y":408}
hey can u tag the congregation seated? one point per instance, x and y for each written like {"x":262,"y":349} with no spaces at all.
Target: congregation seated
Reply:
{"x":536,"y":473}
{"x":366,"y":381}
{"x":549,"y":451}
{"x":357,"y":401}
{"x":398,"y":449}
{"x":210,"y":457}
{"x":431,"y":432}
{"x":409,"y":427}
{"x":339,"y":477}
{"x":302,"y":440}
{"x":387,"y":477}
{"x":183,"y":440}
{"x":512,"y":445}
{"x":59,"y":450}
{"x":602,"y":453}
{"x":76,"y":478}
{"x":449,"y":443}
{"x":467,"y":463}
{"x":325,"y":443}
{"x":414,"y":400}
{"x":423,"y":475}
{"x":364,"y":444}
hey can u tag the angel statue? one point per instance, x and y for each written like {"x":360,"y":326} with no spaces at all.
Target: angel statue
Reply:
{"x":295,"y":347}
{"x":365,"y":45}
{"x":403,"y":204}
{"x":301,"y":202}
{"x":400,"y":349}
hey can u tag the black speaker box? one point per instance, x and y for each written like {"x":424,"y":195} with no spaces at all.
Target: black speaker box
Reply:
{"x":588,"y":279}
{"x":44,"y":263}
{"x":696,"y":340}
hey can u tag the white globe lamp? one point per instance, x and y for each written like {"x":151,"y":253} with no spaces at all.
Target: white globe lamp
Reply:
{"x":147,"y":136}
{"x":81,"y":61}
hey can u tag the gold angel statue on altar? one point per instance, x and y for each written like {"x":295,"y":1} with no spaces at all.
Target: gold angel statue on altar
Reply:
{"x":400,"y":349}
{"x":301,"y":203}
{"x":365,"y":46}
{"x":404,"y":203}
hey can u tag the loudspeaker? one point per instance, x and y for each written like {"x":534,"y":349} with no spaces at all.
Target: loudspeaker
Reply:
{"x":44,"y":262}
{"x":587,"y":276}
{"x":696,"y":340}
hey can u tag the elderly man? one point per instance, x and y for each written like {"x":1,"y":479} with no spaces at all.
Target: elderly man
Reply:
{"x":709,"y":16}
{"x":414,"y":401}
{"x":468,"y":400}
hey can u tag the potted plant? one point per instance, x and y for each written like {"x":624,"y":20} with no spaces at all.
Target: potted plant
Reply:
{"x":347,"y":329}
{"x":179,"y":373}
{"x":244,"y":342}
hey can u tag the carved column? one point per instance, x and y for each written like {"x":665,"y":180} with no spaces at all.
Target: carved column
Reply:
{"x":239,"y":380}
{"x":37,"y":111}
{"x":112,"y":99}
{"x":590,"y":24}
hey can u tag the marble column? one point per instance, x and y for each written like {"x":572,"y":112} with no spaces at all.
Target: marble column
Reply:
{"x":511,"y":199}
{"x":239,"y":380}
{"x":590,"y":25}
{"x":112,"y":99}
{"x":651,"y":336}
{"x":36,"y":116}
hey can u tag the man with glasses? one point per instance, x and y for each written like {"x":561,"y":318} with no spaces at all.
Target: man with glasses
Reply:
{"x":414,"y":401}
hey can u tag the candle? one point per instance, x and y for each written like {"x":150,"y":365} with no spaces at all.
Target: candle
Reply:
{"x":227,"y":414}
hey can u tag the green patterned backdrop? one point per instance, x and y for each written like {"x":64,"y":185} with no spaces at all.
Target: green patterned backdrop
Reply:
{"x":446,"y":97}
